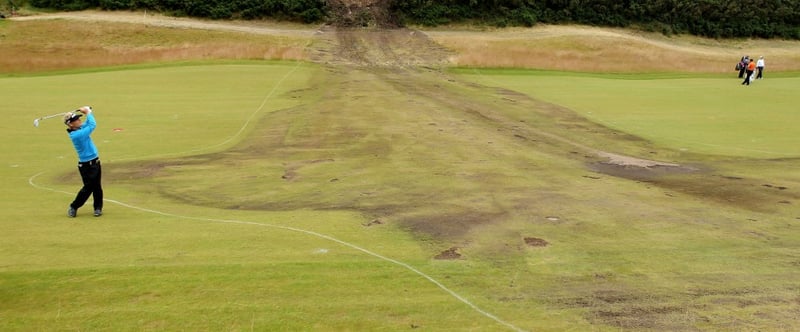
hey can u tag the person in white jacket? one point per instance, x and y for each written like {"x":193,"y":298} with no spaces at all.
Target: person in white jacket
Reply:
{"x":760,"y":67}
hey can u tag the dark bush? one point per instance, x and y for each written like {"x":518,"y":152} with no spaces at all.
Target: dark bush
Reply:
{"x":711,"y":18}
{"x":116,"y":4}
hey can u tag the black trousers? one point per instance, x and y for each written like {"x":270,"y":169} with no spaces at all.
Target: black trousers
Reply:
{"x":760,"y":72}
{"x":91,"y":174}
{"x":747,"y":77}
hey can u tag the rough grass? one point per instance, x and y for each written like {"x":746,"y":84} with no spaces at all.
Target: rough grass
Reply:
{"x":576,"y":48}
{"x":28,"y":46}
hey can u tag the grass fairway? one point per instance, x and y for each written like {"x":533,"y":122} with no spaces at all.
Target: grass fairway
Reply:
{"x":707,"y":115}
{"x":294,"y":196}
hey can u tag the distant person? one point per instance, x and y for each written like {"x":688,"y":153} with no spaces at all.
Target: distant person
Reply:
{"x":88,"y":162}
{"x":743,"y":65}
{"x":760,"y":67}
{"x":751,"y":67}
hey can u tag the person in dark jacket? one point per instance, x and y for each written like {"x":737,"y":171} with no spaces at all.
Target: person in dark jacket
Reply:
{"x":743,"y":65}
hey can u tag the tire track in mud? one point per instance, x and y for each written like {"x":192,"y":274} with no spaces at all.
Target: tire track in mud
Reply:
{"x":369,"y":66}
{"x":409,"y":56}
{"x":411,"y":63}
{"x":389,"y":48}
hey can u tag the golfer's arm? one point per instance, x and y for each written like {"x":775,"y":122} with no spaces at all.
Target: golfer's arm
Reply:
{"x":86,"y":110}
{"x":89,"y":125}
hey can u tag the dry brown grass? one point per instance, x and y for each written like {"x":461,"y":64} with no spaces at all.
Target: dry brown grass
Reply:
{"x":32,"y":46}
{"x":586,"y":49}
{"x":87,"y":39}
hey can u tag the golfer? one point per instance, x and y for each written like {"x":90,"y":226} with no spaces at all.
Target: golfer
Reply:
{"x":88,"y":162}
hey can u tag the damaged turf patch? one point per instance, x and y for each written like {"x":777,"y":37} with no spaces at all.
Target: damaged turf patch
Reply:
{"x":536,"y":242}
{"x":448,"y":254}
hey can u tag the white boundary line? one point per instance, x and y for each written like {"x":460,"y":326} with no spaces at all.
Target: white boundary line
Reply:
{"x":307,"y":232}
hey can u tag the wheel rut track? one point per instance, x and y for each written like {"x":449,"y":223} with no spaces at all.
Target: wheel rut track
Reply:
{"x":412,"y":63}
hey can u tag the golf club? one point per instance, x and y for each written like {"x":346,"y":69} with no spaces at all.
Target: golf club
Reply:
{"x":36,"y":121}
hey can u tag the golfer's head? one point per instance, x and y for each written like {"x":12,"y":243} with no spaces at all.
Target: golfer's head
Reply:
{"x":73,"y":120}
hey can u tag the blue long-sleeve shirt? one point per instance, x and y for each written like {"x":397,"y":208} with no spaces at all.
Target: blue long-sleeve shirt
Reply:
{"x":82,"y":140}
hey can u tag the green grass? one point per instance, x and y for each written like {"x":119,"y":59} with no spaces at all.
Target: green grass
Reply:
{"x":707,"y":115}
{"x":235,"y":216}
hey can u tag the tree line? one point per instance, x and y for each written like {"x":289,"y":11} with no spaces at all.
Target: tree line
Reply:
{"x":708,"y":18}
{"x":306,"y":11}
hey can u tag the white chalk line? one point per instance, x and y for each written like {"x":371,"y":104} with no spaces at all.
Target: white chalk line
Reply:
{"x":441,"y":286}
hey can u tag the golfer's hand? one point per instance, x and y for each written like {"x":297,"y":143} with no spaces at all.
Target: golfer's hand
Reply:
{"x":86,"y":109}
